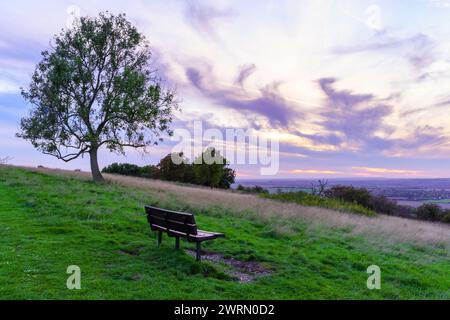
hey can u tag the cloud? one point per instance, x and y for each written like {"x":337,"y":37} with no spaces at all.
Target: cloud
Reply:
{"x":418,"y":49}
{"x":267,"y":102}
{"x":438,"y":105}
{"x":350,"y":123}
{"x":245,"y":72}
{"x":386,"y":171}
{"x":441,"y":3}
{"x":312,"y":171}
{"x":204,"y":17}
{"x":352,"y":118}
{"x":425,"y":136}
{"x":7,"y":86}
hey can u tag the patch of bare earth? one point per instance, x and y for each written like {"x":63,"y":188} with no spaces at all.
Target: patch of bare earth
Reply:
{"x":242,"y":271}
{"x":387,"y":227}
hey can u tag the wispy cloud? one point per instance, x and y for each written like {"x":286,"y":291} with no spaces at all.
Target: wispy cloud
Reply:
{"x":267,"y":102}
{"x":204,"y":17}
{"x":245,"y":72}
{"x":7,"y":86}
{"x":352,"y":118}
{"x":312,"y":171}
{"x":386,"y":171}
{"x":419,"y":49}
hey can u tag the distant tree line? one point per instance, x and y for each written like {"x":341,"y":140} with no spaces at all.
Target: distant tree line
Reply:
{"x":382,"y":204}
{"x":360,"y":196}
{"x":199,"y":172}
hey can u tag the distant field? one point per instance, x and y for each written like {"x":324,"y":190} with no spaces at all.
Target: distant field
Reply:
{"x":444,"y":201}
{"x":50,"y":221}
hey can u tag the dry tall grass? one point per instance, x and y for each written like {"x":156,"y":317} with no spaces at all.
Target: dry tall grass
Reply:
{"x":389,"y":228}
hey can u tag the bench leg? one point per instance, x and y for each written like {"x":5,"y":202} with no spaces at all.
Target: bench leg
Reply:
{"x":199,"y":251}
{"x":177,"y":243}
{"x":159,"y":237}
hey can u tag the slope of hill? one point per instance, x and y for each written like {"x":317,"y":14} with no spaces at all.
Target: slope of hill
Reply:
{"x":53,"y":219}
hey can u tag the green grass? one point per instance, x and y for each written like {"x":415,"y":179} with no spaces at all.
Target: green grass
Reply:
{"x":311,"y":200}
{"x":49,"y":223}
{"x":441,"y":201}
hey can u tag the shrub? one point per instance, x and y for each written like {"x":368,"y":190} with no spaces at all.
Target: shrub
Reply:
{"x":360,"y":196}
{"x":311,"y":200}
{"x":382,"y":204}
{"x":405,"y":212}
{"x":446,"y":216}
{"x":170,"y":171}
{"x":150,"y":171}
{"x":429,"y":212}
{"x":255,"y":189}
{"x":126,"y":169}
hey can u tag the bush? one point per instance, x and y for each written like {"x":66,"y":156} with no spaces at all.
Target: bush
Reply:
{"x":255,"y":189}
{"x":170,"y":171}
{"x":311,"y":200}
{"x":382,"y":204}
{"x":150,"y":172}
{"x":429,"y":212}
{"x":360,"y":196}
{"x":125,"y":169}
{"x":446,"y":216}
{"x":405,"y":212}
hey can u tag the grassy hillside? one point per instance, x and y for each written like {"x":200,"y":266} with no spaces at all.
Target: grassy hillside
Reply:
{"x":49,"y":222}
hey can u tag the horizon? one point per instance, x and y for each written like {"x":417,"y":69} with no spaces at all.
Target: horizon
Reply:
{"x":292,"y":78}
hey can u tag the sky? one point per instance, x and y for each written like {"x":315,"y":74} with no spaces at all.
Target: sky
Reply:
{"x":350,"y":88}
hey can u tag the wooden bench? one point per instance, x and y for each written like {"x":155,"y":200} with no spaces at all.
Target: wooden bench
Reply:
{"x":178,"y":225}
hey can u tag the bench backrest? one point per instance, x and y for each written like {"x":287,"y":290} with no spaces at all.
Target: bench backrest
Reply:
{"x":172,"y":222}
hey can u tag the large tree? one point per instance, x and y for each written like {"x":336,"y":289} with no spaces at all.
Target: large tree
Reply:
{"x":179,"y":170}
{"x":96,"y":87}
{"x":212,"y":169}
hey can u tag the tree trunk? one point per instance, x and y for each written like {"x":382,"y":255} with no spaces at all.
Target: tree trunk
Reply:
{"x":96,"y":174}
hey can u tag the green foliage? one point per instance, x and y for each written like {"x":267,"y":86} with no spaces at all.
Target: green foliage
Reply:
{"x":50,"y":222}
{"x":254,"y":189}
{"x":123,"y":169}
{"x":382,"y":204}
{"x":360,"y":196}
{"x":149,"y":171}
{"x":211,"y":170}
{"x":446,"y":217}
{"x":176,"y":167}
{"x":429,"y":212}
{"x":361,"y":201}
{"x":311,"y":200}
{"x":96,"y":87}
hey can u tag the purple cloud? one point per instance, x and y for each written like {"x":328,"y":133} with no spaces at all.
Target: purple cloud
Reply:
{"x":204,"y":17}
{"x":269,"y":104}
{"x":245,"y":72}
{"x":355,"y":116}
{"x":438,"y":105}
{"x":423,"y":136}
{"x":418,"y":49}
